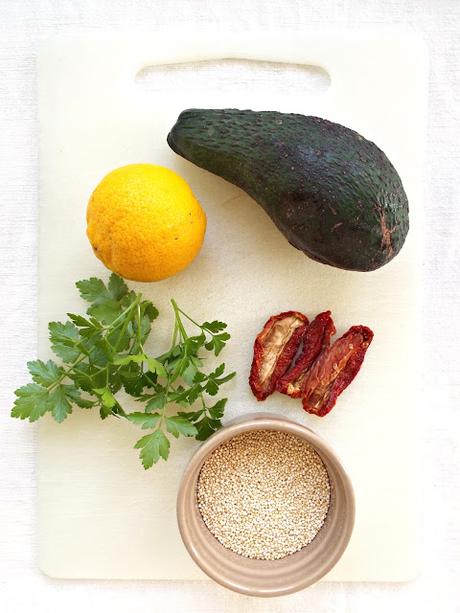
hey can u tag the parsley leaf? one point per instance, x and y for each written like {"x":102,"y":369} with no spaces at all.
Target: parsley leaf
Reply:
{"x":180,"y":425}
{"x":214,"y":326}
{"x":31,"y":403}
{"x":93,"y":290}
{"x":156,"y":402}
{"x":144,"y":420}
{"x":217,"y":410}
{"x":107,"y":398}
{"x":64,"y":340}
{"x":60,"y":402}
{"x":106,"y":311}
{"x":157,"y":367}
{"x":189,"y":373}
{"x":44,"y":374}
{"x":207,"y":426}
{"x":117,"y":287}
{"x":153,"y":446}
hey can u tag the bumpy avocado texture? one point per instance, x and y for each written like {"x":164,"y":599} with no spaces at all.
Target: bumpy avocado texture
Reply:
{"x":332,"y":193}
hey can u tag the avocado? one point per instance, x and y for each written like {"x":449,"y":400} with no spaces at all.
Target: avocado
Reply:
{"x":332,"y":193}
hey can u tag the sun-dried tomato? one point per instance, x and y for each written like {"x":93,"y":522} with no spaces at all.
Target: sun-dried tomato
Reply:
{"x":316,"y":338}
{"x":274,"y":349}
{"x":334,"y":370}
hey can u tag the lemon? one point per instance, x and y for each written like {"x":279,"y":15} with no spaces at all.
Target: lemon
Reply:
{"x":144,"y":222}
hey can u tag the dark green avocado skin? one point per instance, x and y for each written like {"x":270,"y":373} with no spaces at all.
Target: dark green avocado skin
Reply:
{"x":332,"y":193}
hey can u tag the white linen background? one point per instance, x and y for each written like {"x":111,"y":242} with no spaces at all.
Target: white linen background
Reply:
{"x":22,"y":24}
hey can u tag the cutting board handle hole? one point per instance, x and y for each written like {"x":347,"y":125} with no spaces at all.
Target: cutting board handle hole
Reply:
{"x":231,"y":74}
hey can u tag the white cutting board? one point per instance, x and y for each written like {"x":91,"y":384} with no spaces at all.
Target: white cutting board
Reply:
{"x":100,"y":514}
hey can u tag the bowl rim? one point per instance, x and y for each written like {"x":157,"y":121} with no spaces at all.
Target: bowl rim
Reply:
{"x":250,"y":422}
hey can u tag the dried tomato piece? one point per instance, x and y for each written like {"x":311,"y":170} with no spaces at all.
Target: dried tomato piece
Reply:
{"x":274,"y":349}
{"x":334,"y":370}
{"x":316,"y":338}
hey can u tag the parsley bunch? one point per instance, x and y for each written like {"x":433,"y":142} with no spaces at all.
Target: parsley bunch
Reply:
{"x":103,"y":353}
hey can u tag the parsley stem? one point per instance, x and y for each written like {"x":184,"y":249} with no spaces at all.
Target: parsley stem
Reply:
{"x":159,"y":425}
{"x":174,"y":337}
{"x":122,"y":333}
{"x":177,"y":312}
{"x":123,"y":313}
{"x":178,"y":309}
{"x":139,"y":336}
{"x":65,"y":374}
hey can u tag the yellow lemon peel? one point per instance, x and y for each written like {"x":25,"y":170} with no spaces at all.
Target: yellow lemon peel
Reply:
{"x":144,"y":223}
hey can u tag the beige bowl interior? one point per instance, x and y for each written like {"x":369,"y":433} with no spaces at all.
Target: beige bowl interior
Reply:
{"x":267,"y":577}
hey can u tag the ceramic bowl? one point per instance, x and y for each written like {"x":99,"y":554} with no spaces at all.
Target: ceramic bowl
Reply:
{"x":267,"y":577}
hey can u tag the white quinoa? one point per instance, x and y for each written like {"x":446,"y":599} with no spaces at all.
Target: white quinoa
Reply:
{"x":264,"y":494}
